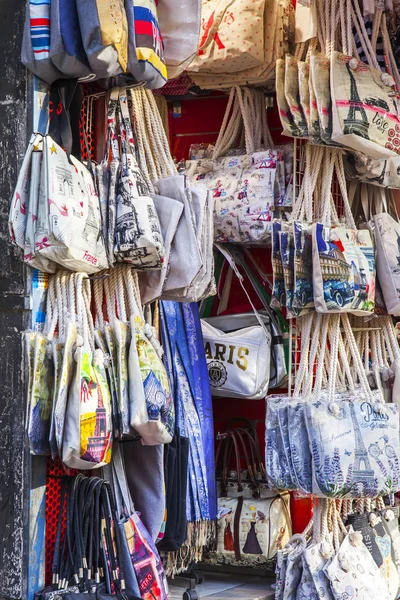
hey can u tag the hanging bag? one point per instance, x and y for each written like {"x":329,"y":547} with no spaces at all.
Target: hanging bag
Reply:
{"x":145,"y":46}
{"x":180,"y":32}
{"x":105,"y":39}
{"x":35,"y":54}
{"x":138,"y":238}
{"x":87,"y":438}
{"x":387,"y":232}
{"x":343,"y":257}
{"x":246,"y":374}
{"x":364,"y":109}
{"x":66,"y":47}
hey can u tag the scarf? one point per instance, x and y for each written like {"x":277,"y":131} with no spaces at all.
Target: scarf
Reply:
{"x":183,"y":360}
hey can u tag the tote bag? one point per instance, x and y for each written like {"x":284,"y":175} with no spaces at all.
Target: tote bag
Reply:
{"x":180,"y":26}
{"x":365,"y":114}
{"x":138,"y":238}
{"x":35,"y":53}
{"x":105,"y":39}
{"x":69,"y":224}
{"x":343,"y":257}
{"x":226,"y":45}
{"x":387,"y":236}
{"x":145,"y":47}
{"x":66,"y":47}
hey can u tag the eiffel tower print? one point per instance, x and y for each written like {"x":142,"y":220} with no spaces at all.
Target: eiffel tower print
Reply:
{"x":353,"y":124}
{"x":362,"y":471}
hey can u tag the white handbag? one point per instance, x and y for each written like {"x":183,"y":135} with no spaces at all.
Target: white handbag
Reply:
{"x":238,"y":361}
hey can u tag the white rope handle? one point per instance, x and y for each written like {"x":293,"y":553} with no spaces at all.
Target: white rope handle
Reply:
{"x":120,"y":295}
{"x":357,"y":362}
{"x":98,"y":293}
{"x":306,"y":323}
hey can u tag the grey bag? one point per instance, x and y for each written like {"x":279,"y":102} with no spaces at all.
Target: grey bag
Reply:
{"x":35,"y":53}
{"x":169,"y":212}
{"x":185,"y":258}
{"x":105,"y":39}
{"x":66,"y":47}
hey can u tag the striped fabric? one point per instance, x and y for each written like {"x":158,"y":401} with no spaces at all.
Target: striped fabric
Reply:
{"x":149,"y":45}
{"x":40,"y":28}
{"x":380,"y":54}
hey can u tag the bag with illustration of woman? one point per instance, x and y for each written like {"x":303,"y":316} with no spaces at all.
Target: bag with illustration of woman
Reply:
{"x":253,"y":521}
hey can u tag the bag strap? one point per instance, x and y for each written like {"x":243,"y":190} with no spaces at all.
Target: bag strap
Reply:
{"x":112,"y":138}
{"x":227,"y":254}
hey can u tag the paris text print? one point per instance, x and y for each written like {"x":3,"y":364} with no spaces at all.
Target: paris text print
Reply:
{"x":355,"y":449}
{"x":364,"y":107}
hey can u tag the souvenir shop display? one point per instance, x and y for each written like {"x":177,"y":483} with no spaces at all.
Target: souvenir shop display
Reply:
{"x":191,"y":268}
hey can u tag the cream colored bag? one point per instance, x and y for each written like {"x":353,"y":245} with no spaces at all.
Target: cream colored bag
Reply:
{"x":365,"y":114}
{"x":278,"y":23}
{"x":229,"y":40}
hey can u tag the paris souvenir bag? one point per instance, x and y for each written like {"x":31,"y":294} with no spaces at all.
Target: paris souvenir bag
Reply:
{"x":353,"y":437}
{"x":343,"y":257}
{"x":24,"y":203}
{"x":151,"y":407}
{"x":66,"y":47}
{"x":242,"y":185}
{"x":138,"y":238}
{"x":250,"y":531}
{"x":68,"y":229}
{"x":353,"y":571}
{"x":365,"y":115}
{"x":87,"y":436}
{"x":105,"y":39}
{"x":378,"y":541}
{"x":387,"y":236}
{"x":238,"y":361}
{"x":137,"y":554}
{"x":180,"y":33}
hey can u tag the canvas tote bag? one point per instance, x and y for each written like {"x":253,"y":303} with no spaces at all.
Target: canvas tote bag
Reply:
{"x":68,"y":227}
{"x":387,"y":236}
{"x":145,"y":46}
{"x":180,"y":26}
{"x":104,"y":31}
{"x":66,"y":47}
{"x":365,"y":114}
{"x":35,"y":54}
{"x":343,"y":257}
{"x":138,"y":237}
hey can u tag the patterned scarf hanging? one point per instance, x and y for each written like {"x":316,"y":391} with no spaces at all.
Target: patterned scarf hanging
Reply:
{"x":183,"y":356}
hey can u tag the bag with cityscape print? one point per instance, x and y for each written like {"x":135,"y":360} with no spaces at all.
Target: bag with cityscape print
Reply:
{"x":365,"y":113}
{"x":138,"y":237}
{"x":88,"y":436}
{"x":353,"y":435}
{"x":343,"y":257}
